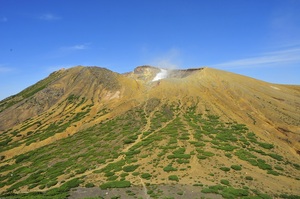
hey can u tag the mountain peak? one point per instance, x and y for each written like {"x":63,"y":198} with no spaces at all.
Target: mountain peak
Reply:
{"x":147,"y":73}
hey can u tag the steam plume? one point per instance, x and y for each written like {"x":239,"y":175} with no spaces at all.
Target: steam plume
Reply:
{"x":161,"y":75}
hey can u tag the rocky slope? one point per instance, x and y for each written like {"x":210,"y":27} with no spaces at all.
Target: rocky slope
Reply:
{"x":216,"y":131}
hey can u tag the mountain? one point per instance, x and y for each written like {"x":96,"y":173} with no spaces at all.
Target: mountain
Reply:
{"x":152,"y":132}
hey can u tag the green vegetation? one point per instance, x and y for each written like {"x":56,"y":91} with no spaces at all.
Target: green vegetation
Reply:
{"x":266,"y":145}
{"x":179,"y":153}
{"x":275,"y":173}
{"x":231,"y":192}
{"x":55,"y":193}
{"x":225,"y":182}
{"x":173,"y":140}
{"x":203,"y":154}
{"x":236,"y":167}
{"x":130,"y":168}
{"x":115,"y":184}
{"x":169,"y":168}
{"x":146,"y":176}
{"x":289,"y":196}
{"x":173,"y":178}
{"x":225,"y":168}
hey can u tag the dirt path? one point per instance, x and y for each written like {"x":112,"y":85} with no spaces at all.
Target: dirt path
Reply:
{"x":144,"y":189}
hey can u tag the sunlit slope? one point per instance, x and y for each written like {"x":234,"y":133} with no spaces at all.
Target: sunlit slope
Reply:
{"x":69,"y":102}
{"x":271,"y":110}
{"x":222,"y":132}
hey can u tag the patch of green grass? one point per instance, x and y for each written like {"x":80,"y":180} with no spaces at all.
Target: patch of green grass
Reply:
{"x":230,"y":192}
{"x":112,"y":178}
{"x":272,"y":172}
{"x":276,"y":156}
{"x":169,"y":168}
{"x":228,"y":155}
{"x":146,"y":176}
{"x":203,"y":154}
{"x":225,"y":182}
{"x":289,"y":196}
{"x":197,"y":144}
{"x":51,"y":183}
{"x":183,"y":161}
{"x":173,"y":178}
{"x":266,"y":145}
{"x":226,"y":147}
{"x":225,"y":168}
{"x":21,"y":158}
{"x":109,"y":174}
{"x":136,"y":173}
{"x":115,"y":184}
{"x":183,"y":156}
{"x":263,"y":165}
{"x":236,"y":167}
{"x":244,"y":155}
{"x":213,"y":189}
{"x":130,"y":168}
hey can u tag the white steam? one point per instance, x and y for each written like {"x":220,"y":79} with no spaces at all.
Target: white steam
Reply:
{"x":161,"y":75}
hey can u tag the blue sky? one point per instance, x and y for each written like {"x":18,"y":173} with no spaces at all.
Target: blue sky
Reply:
{"x":256,"y":38}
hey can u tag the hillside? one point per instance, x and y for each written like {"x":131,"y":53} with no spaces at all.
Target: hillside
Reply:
{"x":189,"y":133}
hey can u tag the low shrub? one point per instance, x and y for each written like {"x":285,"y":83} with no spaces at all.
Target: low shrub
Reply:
{"x":225,"y":168}
{"x":228,"y":155}
{"x":262,"y":164}
{"x":198,"y":185}
{"x":112,"y":178}
{"x":184,"y":156}
{"x":21,"y":158}
{"x":173,"y":178}
{"x":266,"y":145}
{"x":51,"y":184}
{"x":136,"y":173}
{"x":276,"y":156}
{"x":146,"y":176}
{"x":183,"y":161}
{"x":213,"y":189}
{"x":89,"y":185}
{"x":289,"y":196}
{"x":169,"y":168}
{"x":130,"y":168}
{"x":230,"y":192}
{"x":272,"y":172}
{"x":110,"y":173}
{"x":225,"y":182}
{"x":115,"y":184}
{"x":236,"y":167}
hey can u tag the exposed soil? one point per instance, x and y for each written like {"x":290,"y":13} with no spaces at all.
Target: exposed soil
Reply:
{"x":162,"y":191}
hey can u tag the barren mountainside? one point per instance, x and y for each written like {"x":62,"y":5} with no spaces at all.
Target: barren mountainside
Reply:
{"x":150,"y":133}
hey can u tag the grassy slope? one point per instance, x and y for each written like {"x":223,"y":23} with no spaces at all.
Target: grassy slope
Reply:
{"x":175,"y":147}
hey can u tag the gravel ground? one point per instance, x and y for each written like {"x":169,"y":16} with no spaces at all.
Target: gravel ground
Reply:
{"x":157,"y":191}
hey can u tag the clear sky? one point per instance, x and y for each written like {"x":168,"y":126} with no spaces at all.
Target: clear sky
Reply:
{"x":256,"y":38}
